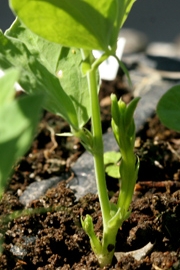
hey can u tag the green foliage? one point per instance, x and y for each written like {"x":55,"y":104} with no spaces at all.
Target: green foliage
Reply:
{"x":88,"y":24}
{"x":50,"y":69}
{"x":67,"y":77}
{"x":18,"y":120}
{"x":111,"y":162}
{"x":168,"y":108}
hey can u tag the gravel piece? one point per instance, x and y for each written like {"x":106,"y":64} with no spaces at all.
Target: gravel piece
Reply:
{"x":37,"y":189}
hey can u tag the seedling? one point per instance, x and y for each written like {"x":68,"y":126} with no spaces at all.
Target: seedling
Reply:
{"x":69,"y":79}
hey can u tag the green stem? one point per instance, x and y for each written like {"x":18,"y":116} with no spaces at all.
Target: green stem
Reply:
{"x":103,"y":249}
{"x":98,"y":151}
{"x":109,"y":234}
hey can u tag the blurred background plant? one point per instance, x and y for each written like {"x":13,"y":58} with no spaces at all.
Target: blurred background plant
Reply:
{"x":18,"y":121}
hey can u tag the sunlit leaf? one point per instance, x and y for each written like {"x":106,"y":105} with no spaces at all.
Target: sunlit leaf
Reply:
{"x":111,"y":157}
{"x":88,"y":24}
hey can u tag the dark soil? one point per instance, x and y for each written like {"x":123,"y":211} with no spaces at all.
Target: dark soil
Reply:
{"x":54,"y":239}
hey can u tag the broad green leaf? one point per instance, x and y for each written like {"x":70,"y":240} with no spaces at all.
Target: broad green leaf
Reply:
{"x":168,"y":108}
{"x":7,"y":86}
{"x":16,"y":132}
{"x":88,"y":24}
{"x":48,"y":68}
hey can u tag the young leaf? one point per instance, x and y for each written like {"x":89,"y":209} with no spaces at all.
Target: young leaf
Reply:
{"x":115,"y":109}
{"x":130,"y":111}
{"x":88,"y":24}
{"x":111,"y":163}
{"x":111,"y":157}
{"x":168,"y":108}
{"x":113,"y":171}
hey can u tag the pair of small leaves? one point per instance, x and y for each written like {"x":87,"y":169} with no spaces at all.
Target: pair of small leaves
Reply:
{"x":111,"y":162}
{"x":18,"y":120}
{"x":50,"y":69}
{"x":88,"y":24}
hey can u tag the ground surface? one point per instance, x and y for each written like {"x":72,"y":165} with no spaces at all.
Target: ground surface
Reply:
{"x":54,"y":239}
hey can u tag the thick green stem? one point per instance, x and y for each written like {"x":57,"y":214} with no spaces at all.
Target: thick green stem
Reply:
{"x":98,"y":147}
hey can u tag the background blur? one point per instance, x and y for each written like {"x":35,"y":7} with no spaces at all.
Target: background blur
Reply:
{"x":158,"y":19}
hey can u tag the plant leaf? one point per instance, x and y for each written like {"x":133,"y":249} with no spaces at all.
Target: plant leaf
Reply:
{"x":48,"y":68}
{"x":16,"y":132}
{"x":7,"y":86}
{"x":130,"y":108}
{"x":111,"y":157}
{"x":110,"y":161}
{"x":168,"y":108}
{"x":113,"y":171}
{"x":88,"y":24}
